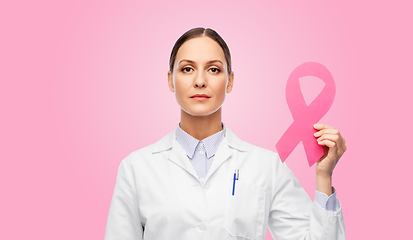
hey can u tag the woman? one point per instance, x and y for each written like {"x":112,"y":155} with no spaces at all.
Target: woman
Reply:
{"x":202,"y":182}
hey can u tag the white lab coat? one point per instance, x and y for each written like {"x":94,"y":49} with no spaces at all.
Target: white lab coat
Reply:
{"x":159,"y":196}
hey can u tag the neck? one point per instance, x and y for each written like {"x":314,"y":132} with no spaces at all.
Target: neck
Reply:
{"x":201,"y":127}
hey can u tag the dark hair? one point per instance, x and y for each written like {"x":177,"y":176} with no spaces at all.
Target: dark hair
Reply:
{"x":198,"y":32}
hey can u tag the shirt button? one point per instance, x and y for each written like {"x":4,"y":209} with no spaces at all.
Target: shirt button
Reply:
{"x":202,"y":226}
{"x":201,"y":152}
{"x":201,"y":144}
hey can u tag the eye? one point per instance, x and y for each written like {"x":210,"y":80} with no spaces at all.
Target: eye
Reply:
{"x":186,"y":69}
{"x":215,"y":70}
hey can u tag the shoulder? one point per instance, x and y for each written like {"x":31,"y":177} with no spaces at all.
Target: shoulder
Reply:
{"x":263,"y":154}
{"x":251,"y":150}
{"x":152,"y":150}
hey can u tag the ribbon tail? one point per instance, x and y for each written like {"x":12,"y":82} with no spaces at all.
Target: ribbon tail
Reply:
{"x":313,"y":151}
{"x":288,"y":142}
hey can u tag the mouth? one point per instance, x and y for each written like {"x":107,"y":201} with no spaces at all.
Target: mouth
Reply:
{"x":200,"y":97}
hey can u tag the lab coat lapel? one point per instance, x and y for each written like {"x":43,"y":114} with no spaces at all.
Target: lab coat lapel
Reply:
{"x":178,"y":156}
{"x":223,"y":153}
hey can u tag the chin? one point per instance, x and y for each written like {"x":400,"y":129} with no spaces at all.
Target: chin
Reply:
{"x":200,"y":112}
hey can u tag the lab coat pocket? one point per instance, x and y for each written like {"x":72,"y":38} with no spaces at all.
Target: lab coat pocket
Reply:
{"x":244,"y":211}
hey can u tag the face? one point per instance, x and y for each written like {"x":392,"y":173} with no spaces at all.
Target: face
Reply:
{"x":200,"y":77}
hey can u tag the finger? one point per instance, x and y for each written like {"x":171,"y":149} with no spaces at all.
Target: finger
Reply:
{"x":328,"y":143}
{"x":338,"y":149}
{"x":320,"y":126}
{"x":330,"y":137}
{"x":341,"y":146}
{"x":327,"y":131}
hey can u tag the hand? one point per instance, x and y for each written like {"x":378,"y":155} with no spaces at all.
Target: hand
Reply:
{"x":334,"y":147}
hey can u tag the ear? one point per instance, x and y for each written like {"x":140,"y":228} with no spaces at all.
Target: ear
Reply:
{"x":170,"y":82}
{"x":230,"y":82}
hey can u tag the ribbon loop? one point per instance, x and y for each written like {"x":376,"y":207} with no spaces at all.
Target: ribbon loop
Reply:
{"x":306,"y":116}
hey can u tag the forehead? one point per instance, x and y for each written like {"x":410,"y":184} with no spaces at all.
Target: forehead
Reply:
{"x":200,"y":49}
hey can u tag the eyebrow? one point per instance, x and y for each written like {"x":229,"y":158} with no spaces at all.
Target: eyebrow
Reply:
{"x":190,"y":61}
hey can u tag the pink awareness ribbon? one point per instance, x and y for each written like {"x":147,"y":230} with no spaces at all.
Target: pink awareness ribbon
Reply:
{"x":306,"y":116}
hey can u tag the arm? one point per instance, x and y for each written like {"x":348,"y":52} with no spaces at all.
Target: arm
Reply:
{"x":293,"y":215}
{"x":124,"y":220}
{"x":334,"y":147}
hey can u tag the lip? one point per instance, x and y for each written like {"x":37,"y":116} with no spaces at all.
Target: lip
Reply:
{"x":200,"y":97}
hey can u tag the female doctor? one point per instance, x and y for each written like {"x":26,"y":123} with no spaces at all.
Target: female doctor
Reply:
{"x":202,"y":182}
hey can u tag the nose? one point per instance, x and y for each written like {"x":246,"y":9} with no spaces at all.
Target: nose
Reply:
{"x":200,"y":81}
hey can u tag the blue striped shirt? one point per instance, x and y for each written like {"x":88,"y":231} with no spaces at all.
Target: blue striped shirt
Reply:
{"x":201,"y":154}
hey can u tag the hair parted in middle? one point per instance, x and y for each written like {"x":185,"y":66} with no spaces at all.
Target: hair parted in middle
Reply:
{"x":199,"y":32}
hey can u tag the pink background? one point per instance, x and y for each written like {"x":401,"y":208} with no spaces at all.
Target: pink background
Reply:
{"x":84,"y":84}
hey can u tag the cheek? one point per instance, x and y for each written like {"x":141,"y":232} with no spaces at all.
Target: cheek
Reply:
{"x":221,"y":87}
{"x":181,"y":89}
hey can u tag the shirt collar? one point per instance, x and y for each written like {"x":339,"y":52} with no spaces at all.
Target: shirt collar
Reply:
{"x":189,"y":143}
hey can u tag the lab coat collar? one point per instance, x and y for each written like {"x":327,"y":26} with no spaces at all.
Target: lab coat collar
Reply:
{"x":178,"y":156}
{"x":234,"y":142}
{"x":190,"y":144}
{"x":230,"y":138}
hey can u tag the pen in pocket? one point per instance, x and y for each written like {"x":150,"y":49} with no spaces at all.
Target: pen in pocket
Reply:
{"x":236,"y":176}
